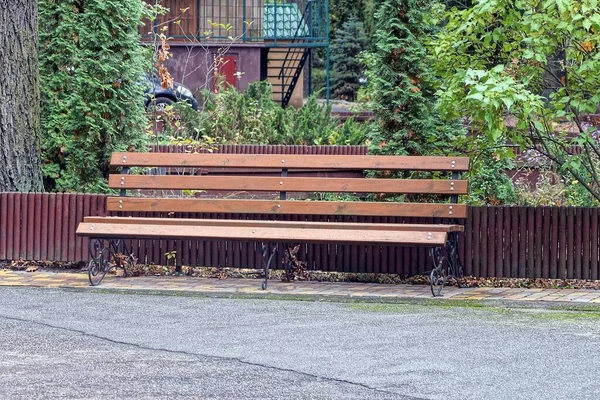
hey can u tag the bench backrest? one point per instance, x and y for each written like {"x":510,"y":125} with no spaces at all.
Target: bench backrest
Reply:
{"x":449,"y":185}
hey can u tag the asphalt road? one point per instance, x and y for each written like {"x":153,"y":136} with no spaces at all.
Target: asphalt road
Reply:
{"x":63,"y":344}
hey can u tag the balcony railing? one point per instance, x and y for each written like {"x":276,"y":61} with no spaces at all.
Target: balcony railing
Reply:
{"x":266,"y":21}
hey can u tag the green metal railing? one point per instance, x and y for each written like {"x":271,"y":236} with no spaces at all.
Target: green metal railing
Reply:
{"x":269,"y":21}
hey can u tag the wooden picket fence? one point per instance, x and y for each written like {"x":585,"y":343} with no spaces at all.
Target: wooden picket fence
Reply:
{"x":532,"y":242}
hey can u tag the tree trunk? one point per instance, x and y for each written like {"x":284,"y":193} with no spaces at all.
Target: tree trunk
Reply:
{"x":19,"y":97}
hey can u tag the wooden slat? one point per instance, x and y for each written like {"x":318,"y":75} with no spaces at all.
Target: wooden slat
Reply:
{"x":412,"y":163}
{"x":530,"y":240}
{"x":577,"y":273}
{"x":545,"y":270}
{"x":12,"y":203}
{"x":468,"y":254}
{"x":594,"y":244}
{"x":553,"y":244}
{"x":259,"y":234}
{"x":586,"y":244}
{"x":570,"y":243}
{"x":22,"y":249}
{"x":286,"y":207}
{"x":484,"y":242}
{"x":522,"y":242}
{"x":3,"y":224}
{"x":477,"y":234}
{"x":499,"y":238}
{"x":31,"y":223}
{"x":539,"y":223}
{"x":275,"y":224}
{"x":507,"y":238}
{"x":515,"y":272}
{"x":491,"y":239}
{"x":297,"y":184}
{"x":38,"y":222}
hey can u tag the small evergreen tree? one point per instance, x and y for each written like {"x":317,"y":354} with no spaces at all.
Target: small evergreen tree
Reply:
{"x":401,"y":85}
{"x":350,"y":41}
{"x":91,"y":67}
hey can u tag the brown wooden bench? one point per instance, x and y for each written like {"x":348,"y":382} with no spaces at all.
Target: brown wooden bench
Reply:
{"x":107,"y":235}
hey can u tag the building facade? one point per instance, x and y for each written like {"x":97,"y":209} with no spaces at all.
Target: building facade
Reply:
{"x":242,"y":41}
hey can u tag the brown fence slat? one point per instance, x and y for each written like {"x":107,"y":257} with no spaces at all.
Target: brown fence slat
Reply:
{"x":507,"y":247}
{"x":37,"y":228}
{"x":562,"y":246}
{"x":52,"y":221}
{"x":468,"y":253}
{"x":553,"y":243}
{"x":585,"y":273}
{"x":531,"y":233}
{"x":22,"y":216}
{"x":476,"y":240}
{"x":543,"y":242}
{"x":45,"y":217}
{"x":29,"y":224}
{"x":491,"y":241}
{"x":484,"y":243}
{"x":499,"y":262}
{"x":522,"y":241}
{"x":570,"y":243}
{"x":514,"y":253}
{"x":72,"y":225}
{"x":594,"y":264}
{"x":12,"y":227}
{"x":3,"y":225}
{"x":577,"y":272}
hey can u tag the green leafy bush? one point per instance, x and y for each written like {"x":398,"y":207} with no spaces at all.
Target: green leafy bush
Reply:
{"x":534,"y":63}
{"x":253,"y":117}
{"x":91,"y":69}
{"x":490,"y":184}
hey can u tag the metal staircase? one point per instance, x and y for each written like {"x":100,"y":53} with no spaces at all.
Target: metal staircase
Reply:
{"x":287,"y":60}
{"x":292,"y":62}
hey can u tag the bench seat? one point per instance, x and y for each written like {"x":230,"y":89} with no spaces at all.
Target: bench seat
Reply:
{"x":275,"y":231}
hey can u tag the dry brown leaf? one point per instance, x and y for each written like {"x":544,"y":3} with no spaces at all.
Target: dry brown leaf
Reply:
{"x":32,"y":268}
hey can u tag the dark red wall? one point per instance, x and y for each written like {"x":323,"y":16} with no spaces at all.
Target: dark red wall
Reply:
{"x":190,"y":63}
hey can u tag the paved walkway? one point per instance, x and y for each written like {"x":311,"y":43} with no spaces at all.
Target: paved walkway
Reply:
{"x":78,"y":280}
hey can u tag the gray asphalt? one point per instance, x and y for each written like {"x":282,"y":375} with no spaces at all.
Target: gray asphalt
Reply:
{"x":63,"y":344}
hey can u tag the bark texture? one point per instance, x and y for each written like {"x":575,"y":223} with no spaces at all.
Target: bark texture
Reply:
{"x":19,"y":97}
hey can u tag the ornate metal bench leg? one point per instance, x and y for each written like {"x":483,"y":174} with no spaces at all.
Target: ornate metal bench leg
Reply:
{"x":267,"y":262}
{"x":454,"y":257}
{"x":100,"y":257}
{"x":437,"y":278}
{"x":289,"y":264}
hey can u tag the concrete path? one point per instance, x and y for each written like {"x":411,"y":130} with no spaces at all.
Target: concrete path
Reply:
{"x":332,"y":290}
{"x":90,"y":344}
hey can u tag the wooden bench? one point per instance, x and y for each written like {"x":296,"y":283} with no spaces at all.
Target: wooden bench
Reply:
{"x":107,"y":234}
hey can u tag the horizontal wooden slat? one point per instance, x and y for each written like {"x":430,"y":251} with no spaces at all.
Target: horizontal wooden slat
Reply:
{"x":275,"y":224}
{"x":269,"y":184}
{"x":412,"y":163}
{"x":293,"y":235}
{"x":286,"y":207}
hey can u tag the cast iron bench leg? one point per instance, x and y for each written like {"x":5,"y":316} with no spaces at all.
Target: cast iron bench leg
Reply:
{"x":267,"y":262}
